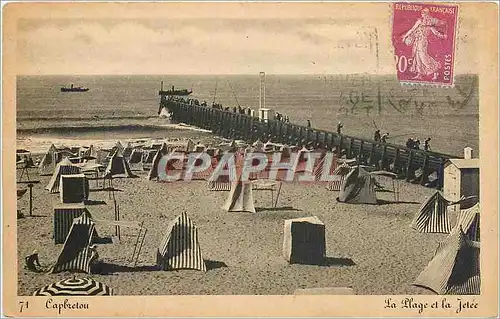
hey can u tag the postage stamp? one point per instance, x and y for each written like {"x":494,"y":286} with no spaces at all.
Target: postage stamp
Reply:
{"x":423,"y":36}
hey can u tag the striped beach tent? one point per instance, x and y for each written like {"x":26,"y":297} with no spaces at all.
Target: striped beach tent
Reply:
{"x":180,"y":248}
{"x":75,"y":254}
{"x":65,"y":167}
{"x":303,"y":161}
{"x":454,"y":269}
{"x":221,"y":182}
{"x":75,"y":287}
{"x":64,"y":216}
{"x":432,"y":217}
{"x":48,"y":162}
{"x":240,"y":198}
{"x":358,"y":188}
{"x":340,"y":172}
{"x":469,"y":222}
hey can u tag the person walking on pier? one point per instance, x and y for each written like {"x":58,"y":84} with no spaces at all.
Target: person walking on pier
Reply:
{"x":32,"y":262}
{"x":384,"y":138}
{"x":410,"y":143}
{"x":427,"y":146}
{"x":309,"y":123}
{"x":377,"y":136}
{"x":339,"y":128}
{"x":417,"y":144}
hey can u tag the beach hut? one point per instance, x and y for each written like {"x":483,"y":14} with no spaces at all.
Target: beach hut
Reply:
{"x":454,"y":269}
{"x":180,"y":248}
{"x":65,"y":167}
{"x":461,"y":178}
{"x":358,"y":188}
{"x":432,"y":216}
{"x":240,"y":198}
{"x":74,"y":188}
{"x":304,"y":240}
{"x":75,"y":254}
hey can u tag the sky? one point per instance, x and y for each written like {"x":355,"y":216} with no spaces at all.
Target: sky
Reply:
{"x":169,"y":44}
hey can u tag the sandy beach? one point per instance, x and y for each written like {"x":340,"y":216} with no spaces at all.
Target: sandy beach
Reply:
{"x":370,"y":248}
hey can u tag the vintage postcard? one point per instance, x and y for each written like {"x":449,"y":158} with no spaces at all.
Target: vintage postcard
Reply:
{"x":233,"y":159}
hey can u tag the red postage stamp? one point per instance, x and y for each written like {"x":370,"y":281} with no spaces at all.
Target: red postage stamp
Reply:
{"x":423,"y":36}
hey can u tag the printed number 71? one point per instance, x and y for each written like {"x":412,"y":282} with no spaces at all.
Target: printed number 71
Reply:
{"x":21,"y":304}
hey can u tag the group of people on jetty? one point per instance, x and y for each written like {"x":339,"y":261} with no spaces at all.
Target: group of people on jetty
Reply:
{"x":415,"y":144}
{"x":412,"y":143}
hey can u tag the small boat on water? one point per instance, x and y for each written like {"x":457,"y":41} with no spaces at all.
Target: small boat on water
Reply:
{"x":173,"y":91}
{"x":73,"y":88}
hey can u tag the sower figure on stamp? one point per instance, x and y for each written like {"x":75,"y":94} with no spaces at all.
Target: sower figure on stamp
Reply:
{"x":418,"y":36}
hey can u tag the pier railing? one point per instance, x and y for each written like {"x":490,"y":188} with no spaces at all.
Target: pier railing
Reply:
{"x":410,"y":164}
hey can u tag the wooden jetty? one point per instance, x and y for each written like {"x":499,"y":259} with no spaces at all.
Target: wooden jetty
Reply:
{"x":410,"y":164}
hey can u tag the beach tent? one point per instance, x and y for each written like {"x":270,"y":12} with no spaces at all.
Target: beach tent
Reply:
{"x":240,"y":198}
{"x":223,"y":182}
{"x":88,"y":153}
{"x":64,"y":214}
{"x":48,"y":162}
{"x":358,"y":188}
{"x":190,"y":146}
{"x":65,"y":167}
{"x":454,"y":269}
{"x":136,"y":160}
{"x":75,"y":255}
{"x":174,"y":164}
{"x":469,"y":222}
{"x":127,"y":150}
{"x":432,"y":216}
{"x":118,"y":166}
{"x":199,"y":148}
{"x":341,"y":172}
{"x":118,"y":146}
{"x":258,"y":145}
{"x":180,"y":248}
